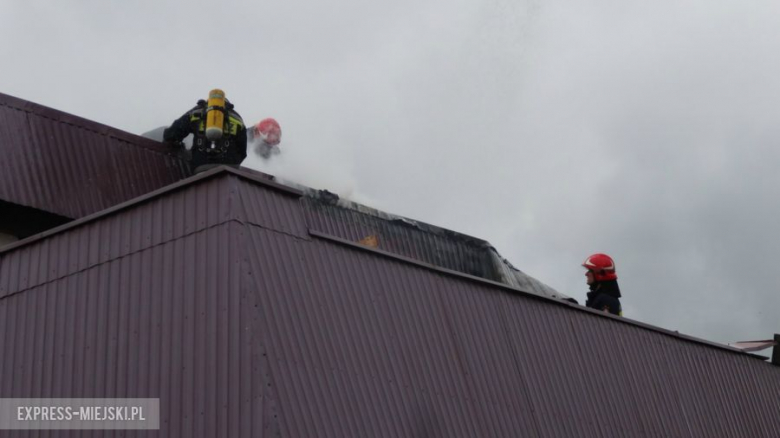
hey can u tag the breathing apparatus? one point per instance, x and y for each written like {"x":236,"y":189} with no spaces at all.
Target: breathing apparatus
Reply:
{"x":215,"y":114}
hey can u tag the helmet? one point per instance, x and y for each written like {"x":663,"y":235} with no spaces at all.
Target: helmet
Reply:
{"x":269,"y":131}
{"x":602,"y":266}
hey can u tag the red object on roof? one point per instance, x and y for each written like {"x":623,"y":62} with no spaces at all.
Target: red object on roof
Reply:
{"x":269,"y":131}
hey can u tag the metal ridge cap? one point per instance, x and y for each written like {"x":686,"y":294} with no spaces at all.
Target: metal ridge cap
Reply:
{"x":211,"y":173}
{"x":60,"y":116}
{"x":259,"y":177}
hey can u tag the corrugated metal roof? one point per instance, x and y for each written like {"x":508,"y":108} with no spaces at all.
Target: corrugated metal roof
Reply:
{"x":73,"y":167}
{"x":210,"y":296}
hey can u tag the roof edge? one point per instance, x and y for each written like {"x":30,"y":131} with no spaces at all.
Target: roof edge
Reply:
{"x":508,"y":288}
{"x":84,"y":123}
{"x":325,"y":197}
{"x":256,"y":177}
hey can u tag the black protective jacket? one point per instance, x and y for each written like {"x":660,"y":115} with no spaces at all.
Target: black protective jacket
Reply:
{"x":230,"y":149}
{"x":604,"y":296}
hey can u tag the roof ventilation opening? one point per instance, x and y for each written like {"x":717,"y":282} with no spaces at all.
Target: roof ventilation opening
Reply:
{"x":7,"y":238}
{"x":752,"y":346}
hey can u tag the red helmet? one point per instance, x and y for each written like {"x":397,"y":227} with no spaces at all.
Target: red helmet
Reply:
{"x":602,"y":266}
{"x":269,"y":131}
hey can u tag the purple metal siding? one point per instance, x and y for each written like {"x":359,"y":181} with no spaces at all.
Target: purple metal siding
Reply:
{"x":272,"y":209}
{"x":243,"y":326}
{"x":391,"y":349}
{"x":192,"y":209}
{"x":167,"y":321}
{"x":73,"y":167}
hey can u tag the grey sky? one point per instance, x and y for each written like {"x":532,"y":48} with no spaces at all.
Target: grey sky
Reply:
{"x":647,"y":130}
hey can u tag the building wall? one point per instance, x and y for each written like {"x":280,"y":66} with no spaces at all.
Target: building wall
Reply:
{"x":214,"y":298}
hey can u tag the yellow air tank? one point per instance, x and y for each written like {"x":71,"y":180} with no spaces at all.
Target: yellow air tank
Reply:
{"x":215,"y":114}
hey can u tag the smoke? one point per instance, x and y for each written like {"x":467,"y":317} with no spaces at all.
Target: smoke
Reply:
{"x":302,"y":166}
{"x":647,"y":130}
{"x":554,"y":131}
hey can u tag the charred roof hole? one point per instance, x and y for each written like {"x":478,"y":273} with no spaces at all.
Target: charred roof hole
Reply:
{"x":328,"y":197}
{"x":343,"y":219}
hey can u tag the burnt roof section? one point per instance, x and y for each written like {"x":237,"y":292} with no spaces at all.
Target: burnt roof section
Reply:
{"x":217,"y":196}
{"x":68,"y":167}
{"x":217,"y":297}
{"x":72,"y":167}
{"x":421,"y":241}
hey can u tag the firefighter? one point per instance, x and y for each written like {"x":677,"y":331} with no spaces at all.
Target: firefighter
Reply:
{"x":602,"y":279}
{"x":219,"y":133}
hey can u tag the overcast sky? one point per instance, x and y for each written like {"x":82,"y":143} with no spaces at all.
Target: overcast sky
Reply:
{"x":553,"y":129}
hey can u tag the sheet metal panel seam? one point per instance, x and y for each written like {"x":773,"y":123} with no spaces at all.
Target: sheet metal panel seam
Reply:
{"x":335,"y":281}
{"x":461,"y":338}
{"x":14,"y":169}
{"x":329,"y":281}
{"x":618,"y":395}
{"x":647,"y":419}
{"x":384,"y":370}
{"x":259,"y":283}
{"x":34,"y":194}
{"x":146,"y":197}
{"x":348,"y":301}
{"x":478,"y":313}
{"x":357,"y":370}
{"x":130,"y":227}
{"x":420,"y":373}
{"x":86,"y":268}
{"x":448,"y":329}
{"x":291,"y":215}
{"x":472,"y":364}
{"x":398,"y":373}
{"x":297,"y":344}
{"x":406,"y":381}
{"x":503,"y":315}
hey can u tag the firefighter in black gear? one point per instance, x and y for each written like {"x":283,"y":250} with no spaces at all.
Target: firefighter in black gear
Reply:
{"x":604,"y":290}
{"x":228,"y":150}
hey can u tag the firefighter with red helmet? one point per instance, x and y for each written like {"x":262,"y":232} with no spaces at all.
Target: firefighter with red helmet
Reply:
{"x":602,"y":279}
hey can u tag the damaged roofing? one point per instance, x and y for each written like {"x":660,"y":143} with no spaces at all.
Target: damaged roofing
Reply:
{"x":418,"y":240}
{"x":72,"y":167}
{"x":224,"y":297}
